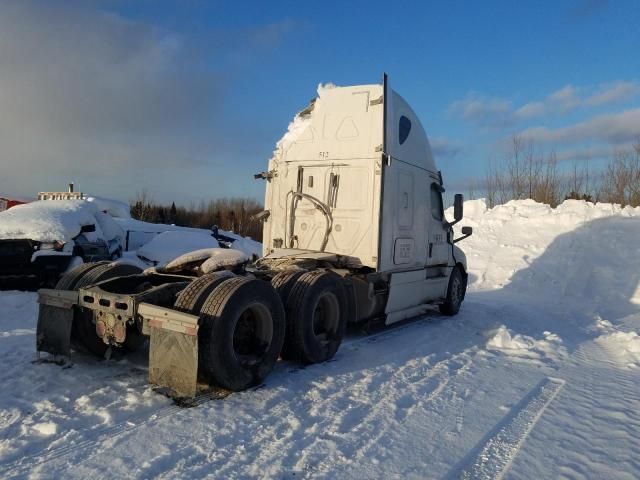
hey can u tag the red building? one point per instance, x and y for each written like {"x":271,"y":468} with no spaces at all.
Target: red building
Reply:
{"x":8,"y":202}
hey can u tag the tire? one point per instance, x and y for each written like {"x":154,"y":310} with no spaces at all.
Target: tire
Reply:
{"x":317,"y":312}
{"x":107,"y":271}
{"x":241,"y":333}
{"x":69,"y":280}
{"x":455,"y":293}
{"x":83,"y":326}
{"x":192,"y":298}
{"x":284,"y":281}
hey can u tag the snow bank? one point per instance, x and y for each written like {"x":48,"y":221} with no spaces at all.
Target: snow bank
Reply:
{"x":61,"y":220}
{"x":572,"y":250}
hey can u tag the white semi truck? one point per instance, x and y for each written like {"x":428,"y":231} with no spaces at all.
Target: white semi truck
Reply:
{"x":354,"y":231}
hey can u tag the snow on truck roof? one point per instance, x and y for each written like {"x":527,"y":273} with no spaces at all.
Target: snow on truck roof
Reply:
{"x":347,"y":123}
{"x":60,"y":220}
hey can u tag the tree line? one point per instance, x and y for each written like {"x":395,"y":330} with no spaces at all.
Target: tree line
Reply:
{"x":231,"y":214}
{"x":526,"y":172}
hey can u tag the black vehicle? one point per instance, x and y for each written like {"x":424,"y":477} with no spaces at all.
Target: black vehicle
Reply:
{"x":42,"y":262}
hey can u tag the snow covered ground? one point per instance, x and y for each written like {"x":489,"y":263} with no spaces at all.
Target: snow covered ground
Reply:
{"x":537,"y":377}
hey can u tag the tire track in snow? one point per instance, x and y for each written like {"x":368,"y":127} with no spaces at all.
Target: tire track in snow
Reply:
{"x":277,"y":434}
{"x":389,"y":402}
{"x":310,"y":433}
{"x":104,"y":434}
{"x":99,"y":435}
{"x":320,"y":399}
{"x":410,"y":388}
{"x":497,"y":452}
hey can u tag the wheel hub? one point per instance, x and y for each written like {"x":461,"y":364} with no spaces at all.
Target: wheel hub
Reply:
{"x":253,"y":334}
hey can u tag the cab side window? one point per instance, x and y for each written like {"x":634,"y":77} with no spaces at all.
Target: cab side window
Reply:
{"x":404,"y":127}
{"x":437,"y":210}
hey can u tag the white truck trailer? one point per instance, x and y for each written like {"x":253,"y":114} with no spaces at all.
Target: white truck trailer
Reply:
{"x":354,"y":231}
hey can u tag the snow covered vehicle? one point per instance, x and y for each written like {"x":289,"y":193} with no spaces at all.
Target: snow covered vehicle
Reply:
{"x":354,"y":231}
{"x":167,"y":246}
{"x":43,"y":239}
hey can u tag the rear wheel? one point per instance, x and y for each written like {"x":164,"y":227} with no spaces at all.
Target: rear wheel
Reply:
{"x":284,"y":281}
{"x":69,"y":280}
{"x":106,"y":271}
{"x":455,"y":293}
{"x":241,"y":334}
{"x":317,"y":313}
{"x":192,"y":298}
{"x":83,"y":326}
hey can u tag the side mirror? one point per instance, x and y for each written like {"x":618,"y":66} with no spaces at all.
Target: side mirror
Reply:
{"x":88,"y":228}
{"x":457,"y":207}
{"x":260,"y":216}
{"x":458,"y":199}
{"x":466,"y":232}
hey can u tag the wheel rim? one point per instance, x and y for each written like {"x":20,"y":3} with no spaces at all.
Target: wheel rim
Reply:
{"x":326,"y":317}
{"x":252,"y":334}
{"x":456,"y":290}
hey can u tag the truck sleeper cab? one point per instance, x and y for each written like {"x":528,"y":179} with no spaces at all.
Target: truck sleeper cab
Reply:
{"x":361,"y":154}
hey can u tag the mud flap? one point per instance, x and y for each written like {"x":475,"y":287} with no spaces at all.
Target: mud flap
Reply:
{"x":173,"y":352}
{"x":55,"y":318}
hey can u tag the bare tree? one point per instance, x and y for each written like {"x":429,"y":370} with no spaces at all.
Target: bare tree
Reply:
{"x":524,"y":173}
{"x":141,"y":206}
{"x":621,"y":178}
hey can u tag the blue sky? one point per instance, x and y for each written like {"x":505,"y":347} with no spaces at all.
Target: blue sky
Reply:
{"x":188,"y":98}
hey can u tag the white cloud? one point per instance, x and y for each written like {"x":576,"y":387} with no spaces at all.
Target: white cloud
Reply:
{"x":564,"y":99}
{"x":613,"y":128}
{"x":571,"y":97}
{"x":530,"y":110}
{"x":482,"y":110}
{"x":496,"y":111}
{"x":613,"y":93}
{"x":444,"y":148}
{"x":590,"y":153}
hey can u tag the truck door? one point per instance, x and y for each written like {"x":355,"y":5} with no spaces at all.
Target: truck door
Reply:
{"x":438,"y":248}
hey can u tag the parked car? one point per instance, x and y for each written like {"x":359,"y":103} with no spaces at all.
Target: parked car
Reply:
{"x":43,"y":239}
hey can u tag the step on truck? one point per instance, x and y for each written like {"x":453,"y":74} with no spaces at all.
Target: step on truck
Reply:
{"x":354,"y":231}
